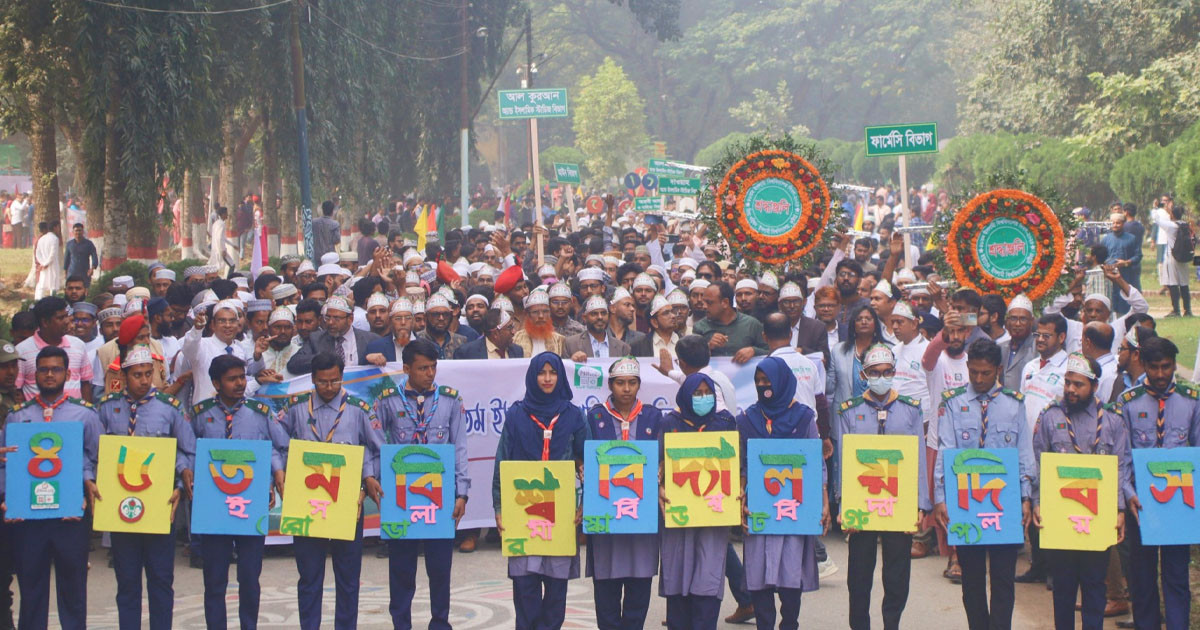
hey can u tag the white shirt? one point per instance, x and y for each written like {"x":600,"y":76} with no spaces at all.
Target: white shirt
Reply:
{"x":16,"y":212}
{"x":1108,"y":376}
{"x":948,"y":374}
{"x":1158,"y":216}
{"x":599,"y":347}
{"x":810,"y":375}
{"x":668,"y":345}
{"x":910,"y":379}
{"x":170,"y":346}
{"x":201,"y":351}
{"x":216,"y":243}
{"x":277,"y":359}
{"x":48,"y":254}
{"x":1042,"y":386}
{"x":1137,"y":304}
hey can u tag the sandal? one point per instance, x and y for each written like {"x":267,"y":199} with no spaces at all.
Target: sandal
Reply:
{"x":953,"y":572}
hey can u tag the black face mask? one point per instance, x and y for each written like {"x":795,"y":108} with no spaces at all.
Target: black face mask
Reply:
{"x":764,"y":392}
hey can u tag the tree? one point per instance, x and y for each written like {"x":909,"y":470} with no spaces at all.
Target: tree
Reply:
{"x":768,"y":112}
{"x":1142,"y":175}
{"x":610,"y":121}
{"x":549,"y":156}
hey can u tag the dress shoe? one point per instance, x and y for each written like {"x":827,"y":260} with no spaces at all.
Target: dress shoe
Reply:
{"x":1030,"y":577}
{"x":919,"y":550}
{"x":1116,"y":608}
{"x":467,"y":545}
{"x":743,"y":614}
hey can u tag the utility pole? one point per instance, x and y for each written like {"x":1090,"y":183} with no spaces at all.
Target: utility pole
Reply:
{"x":298,"y":103}
{"x":465,"y":123}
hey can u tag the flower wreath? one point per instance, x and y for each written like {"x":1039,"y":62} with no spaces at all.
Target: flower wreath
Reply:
{"x":1032,"y":222}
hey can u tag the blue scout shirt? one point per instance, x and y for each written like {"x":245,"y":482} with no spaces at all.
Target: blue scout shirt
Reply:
{"x":252,"y":420}
{"x":1181,"y":416}
{"x":70,"y":410}
{"x":1098,"y":430}
{"x":960,"y":416}
{"x":343,"y":420}
{"x":156,"y":415}
{"x":901,"y":416}
{"x":433,"y":417}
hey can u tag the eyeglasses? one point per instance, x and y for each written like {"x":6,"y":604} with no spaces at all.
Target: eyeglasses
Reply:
{"x":225,"y":321}
{"x":337,"y":383}
{"x":1043,"y":335}
{"x":437,"y":315}
{"x":847,"y":274}
{"x":48,"y":369}
{"x":336,"y":318}
{"x":706,"y":276}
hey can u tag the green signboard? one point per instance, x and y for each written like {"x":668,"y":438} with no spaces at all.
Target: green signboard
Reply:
{"x":1005,"y":249}
{"x":772,"y":206}
{"x":566,"y":173}
{"x":663,"y":169}
{"x":678,"y":186}
{"x":545,"y":103}
{"x":648,"y":204}
{"x":902,"y":139}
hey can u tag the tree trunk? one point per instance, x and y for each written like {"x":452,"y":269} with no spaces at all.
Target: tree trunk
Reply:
{"x":270,"y":185}
{"x":288,"y":237}
{"x":45,"y":160}
{"x":93,"y":196}
{"x":116,"y":215}
{"x":143,"y":235}
{"x":191,"y":205}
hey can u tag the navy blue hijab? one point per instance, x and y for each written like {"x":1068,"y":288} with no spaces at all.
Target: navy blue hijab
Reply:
{"x":525,"y":436}
{"x":536,"y":402}
{"x":683,"y":399}
{"x":786,"y":415}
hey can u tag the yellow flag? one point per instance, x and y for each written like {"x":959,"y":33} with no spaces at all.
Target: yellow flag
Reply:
{"x":422,"y":222}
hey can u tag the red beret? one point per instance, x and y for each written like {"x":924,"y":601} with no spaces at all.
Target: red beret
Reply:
{"x":130,"y":328}
{"x":446,"y":273}
{"x":507,"y":280}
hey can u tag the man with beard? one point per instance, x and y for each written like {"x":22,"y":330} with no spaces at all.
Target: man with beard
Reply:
{"x":537,"y":332}
{"x":1080,"y":424}
{"x":680,"y":309}
{"x":83,"y":325}
{"x":75,"y":290}
{"x":306,"y":274}
{"x":438,"y":316}
{"x":768,"y":295}
{"x":696,"y":305}
{"x":729,"y":333}
{"x":1098,"y":308}
{"x":110,"y":323}
{"x":662,"y":324}
{"x":258,"y":313}
{"x":474,"y":310}
{"x":745,"y":296}
{"x":644,"y":290}
{"x":848,"y":275}
{"x":288,"y":266}
{"x":389,"y":348}
{"x":622,"y":313}
{"x":308,"y":319}
{"x":339,"y":339}
{"x":591,"y":282}
{"x":194,"y":278}
{"x":283,"y":344}
{"x":161,"y":281}
{"x":560,"y":310}
{"x":597,"y":341}
{"x":160,"y":319}
{"x":285,"y":295}
{"x":377,"y":314}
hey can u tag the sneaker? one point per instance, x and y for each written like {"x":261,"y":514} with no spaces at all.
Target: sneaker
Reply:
{"x":827,"y":568}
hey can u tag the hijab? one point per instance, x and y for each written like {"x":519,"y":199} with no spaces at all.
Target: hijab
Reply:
{"x":683,"y":399}
{"x":785,"y":414}
{"x":538,"y":403}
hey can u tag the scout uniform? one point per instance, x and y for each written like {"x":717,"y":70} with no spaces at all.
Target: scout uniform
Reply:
{"x":9,"y":398}
{"x":247,"y":420}
{"x":1167,"y":419}
{"x":154,"y":415}
{"x":343,"y":420}
{"x":994,"y":419}
{"x":1096,"y":429}
{"x":64,"y":542}
{"x":623,"y":563}
{"x":429,"y":417}
{"x":896,"y":415}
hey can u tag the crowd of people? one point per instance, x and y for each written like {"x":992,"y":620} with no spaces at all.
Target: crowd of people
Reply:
{"x":857,"y":343}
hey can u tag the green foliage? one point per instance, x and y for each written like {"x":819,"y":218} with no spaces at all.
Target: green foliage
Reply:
{"x":482,"y":214}
{"x":549,"y":156}
{"x":1078,"y":172}
{"x":712,"y":153}
{"x":610,"y":121}
{"x":137,"y":270}
{"x":1142,"y":175}
{"x":767,"y":112}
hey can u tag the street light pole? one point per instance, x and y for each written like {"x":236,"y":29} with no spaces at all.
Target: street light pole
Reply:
{"x":464,"y":132}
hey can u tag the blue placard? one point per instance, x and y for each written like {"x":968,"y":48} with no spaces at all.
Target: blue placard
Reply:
{"x":650,"y":181}
{"x":418,"y":491}
{"x":620,"y":487}
{"x":983,"y":496}
{"x":44,"y":477}
{"x":232,"y":487}
{"x":1164,"y":480}
{"x":783,"y":487}
{"x":632,"y":180}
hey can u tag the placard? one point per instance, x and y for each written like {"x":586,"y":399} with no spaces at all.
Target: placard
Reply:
{"x":537,"y":508}
{"x":418,"y":491}
{"x":1164,"y":480}
{"x":620,"y":487}
{"x":320,"y":498}
{"x":231,"y":491}
{"x":135,"y":477}
{"x":1079,"y":501}
{"x":44,"y":477}
{"x":783,"y":486}
{"x":702,"y":479}
{"x":879,"y":482}
{"x":983,"y":496}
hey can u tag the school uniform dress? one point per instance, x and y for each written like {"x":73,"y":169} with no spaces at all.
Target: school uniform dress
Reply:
{"x":899,"y":416}
{"x":995,"y":419}
{"x":343,"y":420}
{"x":783,"y":565}
{"x":246,"y":420}
{"x":154,"y":415}
{"x":428,"y":417}
{"x":622,"y":566}
{"x":540,"y":582}
{"x":1095,"y":429}
{"x":1167,"y":419}
{"x":61,"y":542}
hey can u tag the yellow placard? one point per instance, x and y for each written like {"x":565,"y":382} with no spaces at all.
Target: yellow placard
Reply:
{"x":879,"y":482}
{"x":320,"y":496}
{"x":537,"y":508}
{"x":135,"y":477}
{"x":1079,"y":501}
{"x":702,"y":479}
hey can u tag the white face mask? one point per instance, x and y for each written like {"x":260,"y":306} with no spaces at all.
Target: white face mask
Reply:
{"x":879,"y":385}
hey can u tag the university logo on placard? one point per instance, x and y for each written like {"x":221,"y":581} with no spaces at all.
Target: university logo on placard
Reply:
{"x":620,"y":487}
{"x":879,"y":482}
{"x":420,"y":480}
{"x":983,"y":496}
{"x":537,"y":508}
{"x":1078,"y":501}
{"x":1165,"y":482}
{"x":232,"y":487}
{"x":44,"y":477}
{"x":783,"y":486}
{"x":703,"y":479}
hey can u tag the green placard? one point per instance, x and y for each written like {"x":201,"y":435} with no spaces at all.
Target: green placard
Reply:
{"x":902,"y":139}
{"x":663,"y":169}
{"x":678,"y":186}
{"x":772,"y":206}
{"x":545,"y":103}
{"x":648,"y":204}
{"x":566,"y":173}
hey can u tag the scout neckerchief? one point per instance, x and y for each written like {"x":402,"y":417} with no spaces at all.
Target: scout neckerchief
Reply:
{"x":637,"y":409}
{"x":133,"y":407}
{"x":48,"y":410}
{"x":229,"y":413}
{"x":1099,"y":425}
{"x":419,"y":417}
{"x":547,"y":432}
{"x":768,"y":420}
{"x":984,"y":401}
{"x":881,"y":409}
{"x":312,"y":418}
{"x":1160,"y":426}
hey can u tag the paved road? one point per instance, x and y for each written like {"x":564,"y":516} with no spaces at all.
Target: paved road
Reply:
{"x":482,"y":596}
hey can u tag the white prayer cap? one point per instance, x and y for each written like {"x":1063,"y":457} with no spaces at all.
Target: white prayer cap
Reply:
{"x":489,"y":249}
{"x":545,"y":271}
{"x":437,"y":301}
{"x":244,"y":296}
{"x":139,"y":355}
{"x":590,"y":273}
{"x":902,"y":309}
{"x":657,"y":304}
{"x":594,"y":303}
{"x":769,"y":279}
{"x":594,"y":258}
{"x":330,"y":258}
{"x":879,"y":354}
{"x":141,"y":293}
{"x":193,"y":271}
{"x":884,"y":287}
{"x":211,"y":269}
{"x":338,"y":303}
{"x":626,"y":366}
{"x":503,"y":303}
{"x":1078,"y":364}
{"x":348,"y":257}
{"x":305,"y":265}
{"x":745,"y":283}
{"x":658,"y":269}
{"x":412,"y":278}
{"x":677,"y":297}
{"x":905,"y":275}
{"x":258,"y":306}
{"x":283,"y":291}
{"x":687,"y":263}
{"x":281,"y":314}
{"x":377,"y":299}
{"x":241,"y":281}
{"x":132,"y":307}
{"x":620,"y":294}
{"x":487,"y":271}
{"x":918,"y":291}
{"x":645,"y":280}
{"x":413,"y":257}
{"x":1020,"y":302}
{"x":790,"y":290}
{"x":232,"y":305}
{"x":418,"y":307}
{"x":1130,"y":337}
{"x":474,"y":297}
{"x":560,"y":290}
{"x":327,"y":269}
{"x":612,"y":260}
{"x":1099,"y":297}
{"x":268,"y":269}
{"x":123,"y":282}
{"x":537,"y":298}
{"x":474,"y":267}
{"x":120,"y":300}
{"x":462,"y":268}
{"x":687,"y":276}
{"x":109,"y":313}
{"x":699,"y":285}
{"x":402,"y":305}
{"x":164,"y":274}
{"x":505,"y":317}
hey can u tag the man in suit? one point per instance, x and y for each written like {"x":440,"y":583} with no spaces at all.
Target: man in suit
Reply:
{"x":388,"y":349}
{"x":497,"y":340}
{"x":597,"y":341}
{"x":620,"y":323}
{"x":338,"y":338}
{"x":1019,"y":348}
{"x":808,"y":333}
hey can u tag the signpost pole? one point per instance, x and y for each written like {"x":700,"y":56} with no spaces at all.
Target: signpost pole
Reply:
{"x":537,"y":189}
{"x":908,"y":261}
{"x":571,"y":208}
